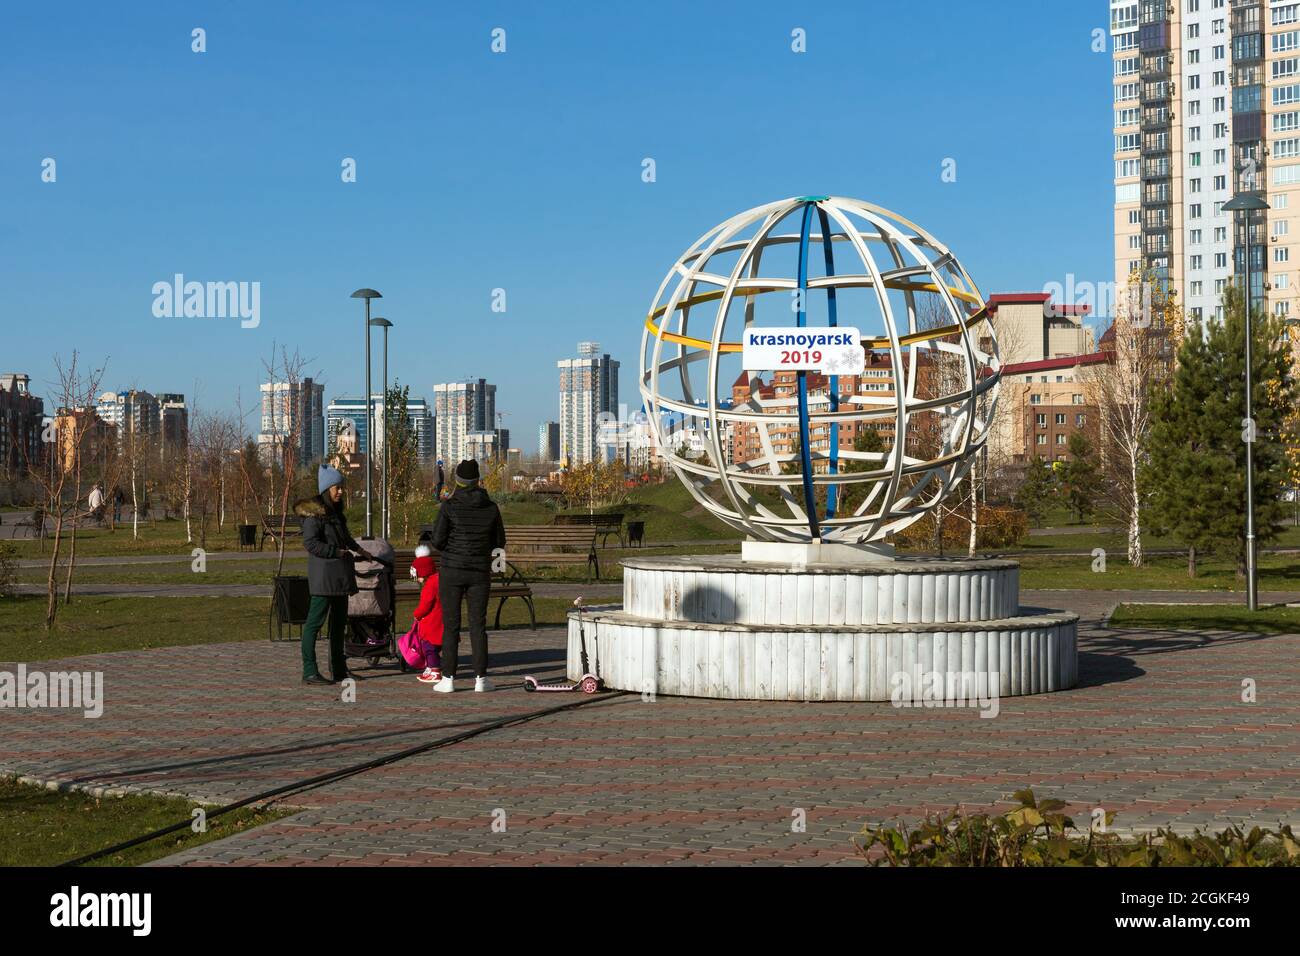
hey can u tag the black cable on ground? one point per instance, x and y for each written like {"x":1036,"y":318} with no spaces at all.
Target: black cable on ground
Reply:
{"x":345,"y":772}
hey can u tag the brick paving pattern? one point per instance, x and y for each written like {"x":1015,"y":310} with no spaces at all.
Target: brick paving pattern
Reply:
{"x":1156,"y":732}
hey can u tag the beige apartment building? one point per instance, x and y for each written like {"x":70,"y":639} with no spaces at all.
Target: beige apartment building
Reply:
{"x":1206,"y":98}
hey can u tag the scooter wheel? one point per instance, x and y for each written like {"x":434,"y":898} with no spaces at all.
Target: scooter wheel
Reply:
{"x":530,"y":685}
{"x":590,"y":685}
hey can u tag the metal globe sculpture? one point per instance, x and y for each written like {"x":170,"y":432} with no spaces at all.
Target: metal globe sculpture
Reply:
{"x":819,"y":454}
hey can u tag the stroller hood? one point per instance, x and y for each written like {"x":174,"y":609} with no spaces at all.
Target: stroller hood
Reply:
{"x":374,"y":596}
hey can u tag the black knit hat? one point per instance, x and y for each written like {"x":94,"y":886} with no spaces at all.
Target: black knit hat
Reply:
{"x":467,"y":472}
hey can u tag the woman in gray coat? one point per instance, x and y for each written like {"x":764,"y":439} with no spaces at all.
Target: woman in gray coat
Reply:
{"x":331,"y":576}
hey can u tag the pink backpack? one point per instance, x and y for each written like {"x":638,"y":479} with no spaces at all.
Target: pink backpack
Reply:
{"x":411,"y":648}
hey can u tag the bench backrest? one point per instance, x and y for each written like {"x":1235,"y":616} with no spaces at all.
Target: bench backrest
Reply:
{"x":289,"y":521}
{"x":602,"y":521}
{"x":550,"y":537}
{"x":402,"y":561}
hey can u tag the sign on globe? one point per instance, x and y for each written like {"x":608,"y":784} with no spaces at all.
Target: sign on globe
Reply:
{"x":836,"y":351}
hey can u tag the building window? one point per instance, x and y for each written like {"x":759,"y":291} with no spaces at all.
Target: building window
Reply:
{"x":1035,"y":399}
{"x":1060,"y":418}
{"x":1060,"y":439}
{"x":1041,"y":421}
{"x":1079,"y":420}
{"x":1076,"y":399}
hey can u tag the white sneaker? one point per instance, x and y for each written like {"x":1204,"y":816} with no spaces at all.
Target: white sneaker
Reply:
{"x":482,"y":684}
{"x":445,"y":685}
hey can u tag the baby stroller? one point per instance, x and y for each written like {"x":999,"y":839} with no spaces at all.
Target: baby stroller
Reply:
{"x":370,"y":633}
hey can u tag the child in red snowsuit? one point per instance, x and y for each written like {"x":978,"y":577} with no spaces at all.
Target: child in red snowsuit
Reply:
{"x":428,"y":619}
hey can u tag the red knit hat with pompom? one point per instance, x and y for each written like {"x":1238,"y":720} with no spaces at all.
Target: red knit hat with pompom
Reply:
{"x":424,"y":567}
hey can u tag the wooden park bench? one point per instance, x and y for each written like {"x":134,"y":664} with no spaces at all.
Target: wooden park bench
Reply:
{"x":271,"y":528}
{"x":505,"y":585}
{"x":553,"y":544}
{"x":605,"y":525}
{"x":36,"y":523}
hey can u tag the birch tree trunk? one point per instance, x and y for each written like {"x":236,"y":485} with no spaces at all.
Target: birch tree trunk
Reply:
{"x":974,"y":515}
{"x":1135,"y":515}
{"x":135,"y":502}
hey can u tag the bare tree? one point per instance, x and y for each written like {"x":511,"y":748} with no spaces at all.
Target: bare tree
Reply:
{"x":1142,"y":340}
{"x":213,"y":439}
{"x":74,"y":424}
{"x":284,"y":450}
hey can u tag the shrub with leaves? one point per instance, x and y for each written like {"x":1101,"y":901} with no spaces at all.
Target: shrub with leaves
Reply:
{"x":8,"y":568}
{"x":1038,"y":833}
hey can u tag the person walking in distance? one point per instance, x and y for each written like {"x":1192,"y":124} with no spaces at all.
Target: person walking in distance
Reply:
{"x":440,"y":482}
{"x":469,"y":533}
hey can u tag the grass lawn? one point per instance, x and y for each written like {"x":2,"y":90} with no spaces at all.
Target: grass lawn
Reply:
{"x":1159,"y":572}
{"x":1276,"y":619}
{"x":94,"y":625}
{"x":218,"y":572}
{"x":164,"y":537}
{"x":1118,"y":543}
{"x":40,"y":827}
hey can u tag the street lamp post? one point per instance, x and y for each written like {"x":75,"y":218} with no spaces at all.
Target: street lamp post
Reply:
{"x":385,"y":525}
{"x":368,"y":294}
{"x":1247,"y":203}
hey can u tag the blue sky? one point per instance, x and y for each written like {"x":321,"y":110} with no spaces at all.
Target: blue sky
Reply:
{"x":519,"y":171}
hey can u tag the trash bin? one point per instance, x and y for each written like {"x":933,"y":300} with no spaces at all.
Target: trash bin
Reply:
{"x":247,"y":536}
{"x":291,"y":603}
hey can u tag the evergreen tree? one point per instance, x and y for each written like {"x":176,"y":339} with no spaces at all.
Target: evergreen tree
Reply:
{"x":1187,"y":476}
{"x":1037,"y":490}
{"x":1196,"y":473}
{"x":1080,"y":477}
{"x":851,"y":496}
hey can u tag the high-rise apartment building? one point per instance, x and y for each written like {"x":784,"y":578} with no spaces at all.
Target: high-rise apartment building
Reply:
{"x":292,"y":411}
{"x":21,"y":425}
{"x":588,"y":390}
{"x":353,"y":410}
{"x":131,"y":412}
{"x":460,"y":408}
{"x":174,"y":417}
{"x":1207,"y":106}
{"x":548,"y":441}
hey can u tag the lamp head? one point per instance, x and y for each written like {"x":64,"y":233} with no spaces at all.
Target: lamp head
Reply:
{"x":1245,"y":203}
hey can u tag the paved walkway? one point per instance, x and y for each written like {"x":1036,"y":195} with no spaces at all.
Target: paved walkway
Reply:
{"x":1156,"y":732}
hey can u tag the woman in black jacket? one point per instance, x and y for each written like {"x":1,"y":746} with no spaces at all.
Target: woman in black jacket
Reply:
{"x":330,"y":573}
{"x":469,"y":533}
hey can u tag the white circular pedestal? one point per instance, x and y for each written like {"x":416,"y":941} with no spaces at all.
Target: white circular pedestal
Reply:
{"x":718,"y":626}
